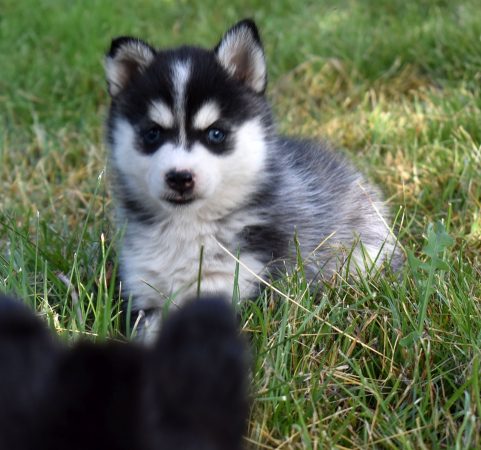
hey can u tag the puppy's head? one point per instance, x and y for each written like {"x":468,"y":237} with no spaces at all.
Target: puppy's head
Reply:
{"x":188,"y":391}
{"x":187,"y":126}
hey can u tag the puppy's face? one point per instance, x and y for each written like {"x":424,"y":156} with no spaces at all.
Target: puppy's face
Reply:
{"x":187,"y":126}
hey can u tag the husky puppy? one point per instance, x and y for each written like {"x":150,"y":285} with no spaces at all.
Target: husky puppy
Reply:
{"x":198,"y":168}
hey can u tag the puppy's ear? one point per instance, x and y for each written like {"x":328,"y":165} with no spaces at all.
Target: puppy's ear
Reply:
{"x":28,"y":352}
{"x":126,"y":57}
{"x":200,"y":367}
{"x":240,"y":52}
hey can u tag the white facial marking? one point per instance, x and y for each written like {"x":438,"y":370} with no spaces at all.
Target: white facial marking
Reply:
{"x":180,"y":77}
{"x":207,"y":114}
{"x":241,"y":169}
{"x":161,"y":114}
{"x":127,"y":159}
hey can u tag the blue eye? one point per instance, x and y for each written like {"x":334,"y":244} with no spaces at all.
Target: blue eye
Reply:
{"x":152,"y":135}
{"x":215,"y":136}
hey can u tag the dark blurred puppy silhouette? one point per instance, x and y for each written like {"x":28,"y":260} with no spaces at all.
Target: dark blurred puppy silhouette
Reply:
{"x":188,"y":391}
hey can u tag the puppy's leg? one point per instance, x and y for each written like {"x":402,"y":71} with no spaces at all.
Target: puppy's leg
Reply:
{"x":146,"y":325}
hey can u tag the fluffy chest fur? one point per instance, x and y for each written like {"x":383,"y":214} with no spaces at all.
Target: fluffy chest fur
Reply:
{"x":164,"y":260}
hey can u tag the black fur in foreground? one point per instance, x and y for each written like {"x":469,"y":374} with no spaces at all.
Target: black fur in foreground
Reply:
{"x":188,"y":391}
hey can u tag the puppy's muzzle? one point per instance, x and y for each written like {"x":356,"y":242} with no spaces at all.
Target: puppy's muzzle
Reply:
{"x":180,"y":181}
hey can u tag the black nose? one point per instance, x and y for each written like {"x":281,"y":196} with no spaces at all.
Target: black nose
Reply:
{"x":181,"y":181}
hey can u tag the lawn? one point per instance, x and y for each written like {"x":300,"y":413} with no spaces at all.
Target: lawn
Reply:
{"x":382,"y":362}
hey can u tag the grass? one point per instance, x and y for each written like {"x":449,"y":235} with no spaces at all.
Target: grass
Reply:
{"x":378,"y":363}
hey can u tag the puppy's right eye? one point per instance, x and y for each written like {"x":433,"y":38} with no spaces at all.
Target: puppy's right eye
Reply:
{"x":215,"y":135}
{"x":152,"y":136}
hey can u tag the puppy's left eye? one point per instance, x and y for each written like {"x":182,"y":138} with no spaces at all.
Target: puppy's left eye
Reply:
{"x":215,"y":135}
{"x":152,"y":135}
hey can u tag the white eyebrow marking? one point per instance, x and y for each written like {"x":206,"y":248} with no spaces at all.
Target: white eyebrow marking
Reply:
{"x":207,"y":114}
{"x":160,"y":113}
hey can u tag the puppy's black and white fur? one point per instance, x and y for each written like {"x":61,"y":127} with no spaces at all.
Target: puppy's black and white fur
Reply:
{"x":188,"y":391}
{"x":197,"y":163}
